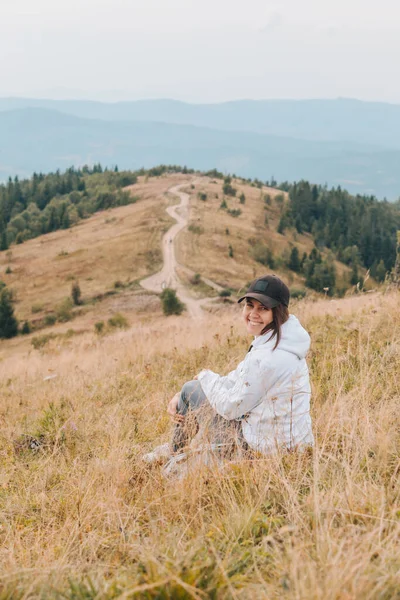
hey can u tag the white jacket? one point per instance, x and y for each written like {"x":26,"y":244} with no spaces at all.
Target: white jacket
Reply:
{"x":270,"y":389}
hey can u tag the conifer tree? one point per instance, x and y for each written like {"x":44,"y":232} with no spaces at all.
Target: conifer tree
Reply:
{"x":76,"y":293}
{"x":8,"y":322}
{"x":294,"y":260}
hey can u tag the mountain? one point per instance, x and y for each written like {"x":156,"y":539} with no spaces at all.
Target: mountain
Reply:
{"x":37,"y":139}
{"x":321,"y":120}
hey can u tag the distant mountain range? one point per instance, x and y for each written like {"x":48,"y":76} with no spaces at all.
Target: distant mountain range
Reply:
{"x":339,"y":142}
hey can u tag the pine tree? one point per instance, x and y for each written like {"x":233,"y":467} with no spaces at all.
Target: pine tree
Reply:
{"x":396,"y":270}
{"x":380,"y":271}
{"x":294,"y":260}
{"x":3,"y":240}
{"x":8,"y":322}
{"x":76,"y":293}
{"x":354,"y":279}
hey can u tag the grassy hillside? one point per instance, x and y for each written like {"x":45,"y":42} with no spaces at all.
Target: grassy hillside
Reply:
{"x":81,"y":517}
{"x":110,"y":252}
{"x":205,"y":245}
{"x":107,"y":254}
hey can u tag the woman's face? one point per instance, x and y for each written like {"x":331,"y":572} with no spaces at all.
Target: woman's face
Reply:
{"x":256,"y":316}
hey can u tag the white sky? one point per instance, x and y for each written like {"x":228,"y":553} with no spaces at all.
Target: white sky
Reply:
{"x":200,"y":50}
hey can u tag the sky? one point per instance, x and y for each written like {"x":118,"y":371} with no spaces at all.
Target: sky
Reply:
{"x":200,"y":50}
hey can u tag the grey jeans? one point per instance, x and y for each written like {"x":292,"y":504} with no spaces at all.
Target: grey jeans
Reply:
{"x":193,"y":404}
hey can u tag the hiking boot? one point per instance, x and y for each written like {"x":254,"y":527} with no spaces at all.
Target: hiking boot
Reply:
{"x":159,"y":455}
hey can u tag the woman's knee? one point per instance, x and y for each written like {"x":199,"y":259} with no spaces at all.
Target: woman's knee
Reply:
{"x":192,"y":394}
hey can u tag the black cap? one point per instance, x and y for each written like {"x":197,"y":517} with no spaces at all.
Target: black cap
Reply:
{"x":269,"y":290}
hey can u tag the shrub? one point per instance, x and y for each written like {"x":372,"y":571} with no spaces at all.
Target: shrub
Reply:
{"x":225,"y":293}
{"x":267,"y":199}
{"x":242,"y":198}
{"x":196,"y":279}
{"x":171,"y":303}
{"x":297,"y":293}
{"x":223,"y":204}
{"x":118,"y":284}
{"x":227,"y":187}
{"x":26,"y":328}
{"x":76,"y":294}
{"x":234,"y":212}
{"x":196,"y":228}
{"x":99,"y":327}
{"x":8,"y":270}
{"x":202,"y":196}
{"x":230,"y":251}
{"x":263,"y":255}
{"x":118,"y":320}
{"x":50,"y":319}
{"x":41,"y":340}
{"x":63,"y":310}
{"x":36,"y":308}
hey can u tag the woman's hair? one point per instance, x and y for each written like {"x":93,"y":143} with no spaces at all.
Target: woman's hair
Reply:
{"x":280,"y":316}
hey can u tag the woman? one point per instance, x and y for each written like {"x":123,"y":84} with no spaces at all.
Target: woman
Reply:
{"x":265,"y":401}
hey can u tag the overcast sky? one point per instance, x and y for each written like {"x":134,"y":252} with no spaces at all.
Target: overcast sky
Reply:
{"x":200,"y":50}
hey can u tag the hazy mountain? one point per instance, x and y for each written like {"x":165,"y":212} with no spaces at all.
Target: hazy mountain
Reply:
{"x":322,"y":120}
{"x":42,"y":140}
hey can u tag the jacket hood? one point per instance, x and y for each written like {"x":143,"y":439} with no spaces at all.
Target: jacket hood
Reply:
{"x":294,"y":338}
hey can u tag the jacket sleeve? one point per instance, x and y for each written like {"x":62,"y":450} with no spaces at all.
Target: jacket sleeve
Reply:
{"x":252,"y":383}
{"x":228,"y":381}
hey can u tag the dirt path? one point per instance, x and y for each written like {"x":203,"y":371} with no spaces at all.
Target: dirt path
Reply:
{"x":167,"y":277}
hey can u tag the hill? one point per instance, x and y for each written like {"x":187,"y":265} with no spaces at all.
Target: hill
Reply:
{"x":38,"y":139}
{"x":370,"y":123}
{"x":84,"y":518}
{"x":232,"y":232}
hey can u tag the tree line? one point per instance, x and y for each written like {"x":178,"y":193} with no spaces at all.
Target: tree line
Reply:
{"x":45,"y":203}
{"x":359,"y":230}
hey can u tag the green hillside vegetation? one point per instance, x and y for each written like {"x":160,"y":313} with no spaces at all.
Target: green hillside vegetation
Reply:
{"x":45,"y":203}
{"x":359,"y":230}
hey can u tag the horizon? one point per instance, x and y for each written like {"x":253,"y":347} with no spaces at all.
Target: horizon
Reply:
{"x":85,"y":98}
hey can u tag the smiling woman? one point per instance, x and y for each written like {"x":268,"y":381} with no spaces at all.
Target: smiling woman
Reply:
{"x":262,"y":406}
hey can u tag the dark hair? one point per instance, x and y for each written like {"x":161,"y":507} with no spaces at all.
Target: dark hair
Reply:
{"x":280,"y":316}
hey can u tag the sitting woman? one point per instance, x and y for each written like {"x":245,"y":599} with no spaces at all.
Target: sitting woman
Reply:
{"x":264,"y":404}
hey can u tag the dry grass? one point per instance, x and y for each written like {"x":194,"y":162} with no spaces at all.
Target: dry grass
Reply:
{"x":80,"y":517}
{"x":119,"y":244}
{"x":207,"y":252}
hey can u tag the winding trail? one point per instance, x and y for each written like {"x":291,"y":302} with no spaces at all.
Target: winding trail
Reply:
{"x":167,"y":277}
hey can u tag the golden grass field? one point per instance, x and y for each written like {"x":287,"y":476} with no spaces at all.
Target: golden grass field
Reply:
{"x":81,"y":517}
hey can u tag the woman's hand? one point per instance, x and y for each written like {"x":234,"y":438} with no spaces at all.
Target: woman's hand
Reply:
{"x":172,"y":409}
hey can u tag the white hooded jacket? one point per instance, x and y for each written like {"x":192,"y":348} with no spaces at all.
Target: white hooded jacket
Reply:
{"x":270,"y":389}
